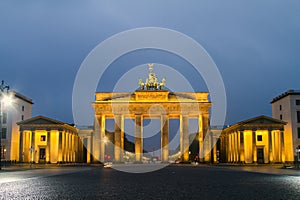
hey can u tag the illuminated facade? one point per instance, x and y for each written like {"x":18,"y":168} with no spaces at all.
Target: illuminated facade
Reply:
{"x":151,"y":101}
{"x":19,"y":109}
{"x":257,"y":140}
{"x":45,"y":140}
{"x":143,"y":104}
{"x":287,"y":107}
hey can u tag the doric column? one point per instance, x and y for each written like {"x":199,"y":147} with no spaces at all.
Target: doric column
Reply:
{"x":214,"y":151}
{"x":206,"y":137}
{"x":67,"y":146}
{"x":232,"y":146}
{"x":184,"y":123}
{"x":254,"y":149}
{"x":97,"y":150}
{"x":117,"y":137}
{"x":270,"y":138}
{"x":63,"y":149}
{"x":33,"y":146}
{"x":48,"y":146}
{"x":200,"y":128}
{"x":228,"y":147}
{"x":138,"y":138}
{"x":73,"y":147}
{"x":282,"y":151}
{"x":102,"y":138}
{"x":21,"y":147}
{"x":70,"y":147}
{"x":165,"y":138}
{"x":88,"y":148}
{"x":122,"y":137}
{"x":60,"y":156}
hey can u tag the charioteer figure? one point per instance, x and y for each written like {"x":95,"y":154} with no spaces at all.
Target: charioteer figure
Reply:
{"x":152,"y":82}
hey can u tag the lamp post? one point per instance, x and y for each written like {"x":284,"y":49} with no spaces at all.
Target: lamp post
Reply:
{"x":3,"y":89}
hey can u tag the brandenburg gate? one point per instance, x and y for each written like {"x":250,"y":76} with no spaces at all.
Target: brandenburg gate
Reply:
{"x":151,"y":100}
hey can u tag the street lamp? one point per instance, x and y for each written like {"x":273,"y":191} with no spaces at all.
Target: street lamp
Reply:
{"x":4,"y":98}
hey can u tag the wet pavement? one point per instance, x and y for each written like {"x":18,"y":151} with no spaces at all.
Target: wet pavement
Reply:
{"x":172,"y":182}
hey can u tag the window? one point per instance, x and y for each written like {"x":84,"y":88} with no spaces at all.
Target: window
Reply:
{"x":280,"y":107}
{"x":3,"y":133}
{"x":22,"y":117}
{"x":3,"y":152}
{"x":298,"y":116}
{"x":298,"y":132}
{"x":280,"y":117}
{"x":23,"y":108}
{"x":43,"y":138}
{"x":298,"y":102}
{"x":4,"y":120}
{"x":259,"y":138}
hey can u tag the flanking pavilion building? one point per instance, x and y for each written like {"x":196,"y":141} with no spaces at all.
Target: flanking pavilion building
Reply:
{"x":257,"y":140}
{"x":45,"y":140}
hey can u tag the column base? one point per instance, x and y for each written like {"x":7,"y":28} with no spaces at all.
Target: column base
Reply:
{"x":118,"y":162}
{"x":137,"y":162}
{"x":185,"y":162}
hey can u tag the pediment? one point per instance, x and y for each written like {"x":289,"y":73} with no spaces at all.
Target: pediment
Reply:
{"x":262,"y":120}
{"x":39,"y":120}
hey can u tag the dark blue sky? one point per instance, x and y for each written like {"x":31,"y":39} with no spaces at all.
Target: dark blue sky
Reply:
{"x":255,"y":45}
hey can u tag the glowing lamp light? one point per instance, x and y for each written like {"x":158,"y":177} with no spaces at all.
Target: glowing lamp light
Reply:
{"x":7,"y":99}
{"x":105,"y":140}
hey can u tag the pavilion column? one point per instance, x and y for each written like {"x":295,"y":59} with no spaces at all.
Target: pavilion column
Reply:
{"x":200,"y":128}
{"x":254,"y":149}
{"x":282,"y":151}
{"x":60,"y":154}
{"x":64,"y":146}
{"x":117,"y":137}
{"x":242,"y":146}
{"x":165,"y":138}
{"x":21,"y":148}
{"x":33,"y":146}
{"x":184,"y":123}
{"x":67,"y":147}
{"x":270,"y":146}
{"x":231,"y":147}
{"x":138,"y":138}
{"x":70,"y":147}
{"x":26,"y":146}
{"x":48,"y":146}
{"x":73,"y":147}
